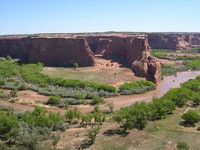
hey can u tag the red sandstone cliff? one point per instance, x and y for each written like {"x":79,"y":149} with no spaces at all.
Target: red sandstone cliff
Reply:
{"x":135,"y":51}
{"x":174,"y":41}
{"x":67,"y":49}
{"x":50,"y":51}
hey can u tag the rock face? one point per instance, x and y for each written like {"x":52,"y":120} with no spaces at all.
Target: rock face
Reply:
{"x":50,"y":51}
{"x":133,"y":51}
{"x":174,"y":41}
{"x":67,"y":49}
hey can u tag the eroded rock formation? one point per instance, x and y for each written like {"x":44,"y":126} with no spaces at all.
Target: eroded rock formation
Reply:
{"x":174,"y":41}
{"x":134,"y":50}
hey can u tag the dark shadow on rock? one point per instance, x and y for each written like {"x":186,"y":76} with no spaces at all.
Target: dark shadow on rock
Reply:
{"x":113,"y":132}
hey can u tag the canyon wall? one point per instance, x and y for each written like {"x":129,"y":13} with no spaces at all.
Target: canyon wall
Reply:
{"x":133,"y":51}
{"x":174,"y":41}
{"x":67,"y":49}
{"x":50,"y":51}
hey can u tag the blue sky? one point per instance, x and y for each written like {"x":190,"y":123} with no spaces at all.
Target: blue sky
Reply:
{"x":71,"y":16}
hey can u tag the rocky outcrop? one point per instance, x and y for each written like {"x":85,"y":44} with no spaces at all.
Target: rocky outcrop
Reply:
{"x":50,"y":51}
{"x":174,"y":41}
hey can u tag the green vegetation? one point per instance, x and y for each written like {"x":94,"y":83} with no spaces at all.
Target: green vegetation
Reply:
{"x":172,"y":69}
{"x":97,"y":100}
{"x":92,"y":133}
{"x":189,"y":60}
{"x":194,"y":64}
{"x":62,"y":92}
{"x":29,"y":128}
{"x":139,"y":114}
{"x":73,"y":116}
{"x":54,"y":100}
{"x":160,"y":53}
{"x":136,"y":87}
{"x":111,"y":107}
{"x":191,"y":117}
{"x":75,"y":65}
{"x":182,"y":146}
{"x":29,"y":77}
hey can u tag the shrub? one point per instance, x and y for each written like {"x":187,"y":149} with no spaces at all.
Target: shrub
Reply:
{"x":7,"y":122}
{"x":96,"y":108}
{"x":13,"y":93}
{"x":2,"y":82}
{"x":97,"y":100}
{"x":73,"y":116}
{"x":136,"y":87}
{"x":86,"y":118}
{"x":99,"y":118}
{"x":75,"y":65}
{"x":196,"y":100}
{"x":111,"y":107}
{"x":194,"y":64}
{"x":182,"y":146}
{"x":191,"y":117}
{"x":54,"y":100}
{"x":92,"y":133}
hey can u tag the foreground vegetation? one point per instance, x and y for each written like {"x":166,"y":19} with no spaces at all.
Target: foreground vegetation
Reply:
{"x":172,"y":120}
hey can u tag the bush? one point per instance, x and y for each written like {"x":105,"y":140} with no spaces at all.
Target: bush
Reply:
{"x":196,"y":100}
{"x":54,"y":100}
{"x":194,"y":64}
{"x":75,"y":65}
{"x":86,"y":118}
{"x":182,"y":146}
{"x":13,"y":93}
{"x":99,"y":118}
{"x":96,"y":108}
{"x":2,"y":82}
{"x":97,"y":100}
{"x":73,"y":116}
{"x":191,"y":117}
{"x":92,"y":133}
{"x":136,"y":87}
{"x":111,"y":107}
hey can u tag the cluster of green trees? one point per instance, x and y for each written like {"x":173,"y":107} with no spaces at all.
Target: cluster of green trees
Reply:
{"x":136,"y":87}
{"x":74,"y":116}
{"x":29,"y":128}
{"x":138,"y":115}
